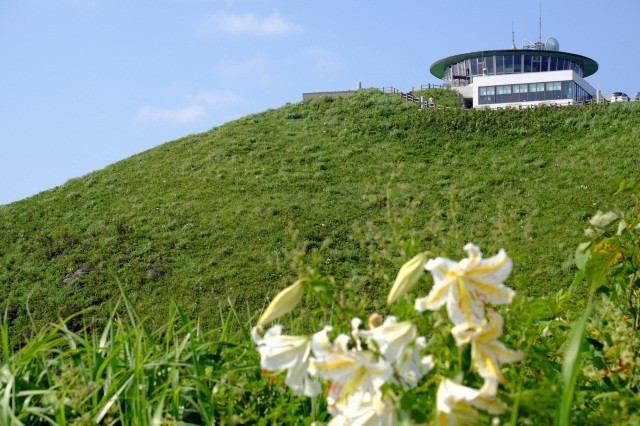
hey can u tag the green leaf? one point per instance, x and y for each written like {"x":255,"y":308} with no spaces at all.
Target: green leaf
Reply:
{"x":603,"y":256}
{"x":582,"y":256}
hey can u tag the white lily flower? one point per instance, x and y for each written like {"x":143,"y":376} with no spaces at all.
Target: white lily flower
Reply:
{"x":291,"y":353}
{"x":361,"y":409}
{"x":457,"y":404}
{"x":398,"y":344}
{"x":408,"y":276}
{"x":466,"y":285}
{"x":391,"y":338}
{"x":486,"y":351}
{"x":353,"y":370}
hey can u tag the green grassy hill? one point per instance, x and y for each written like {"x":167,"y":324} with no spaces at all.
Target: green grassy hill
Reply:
{"x":205,"y":219}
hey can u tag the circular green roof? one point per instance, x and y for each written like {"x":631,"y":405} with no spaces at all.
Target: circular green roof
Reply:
{"x":589,"y":66}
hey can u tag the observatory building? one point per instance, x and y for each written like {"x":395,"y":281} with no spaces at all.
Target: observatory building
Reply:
{"x":539,"y":73}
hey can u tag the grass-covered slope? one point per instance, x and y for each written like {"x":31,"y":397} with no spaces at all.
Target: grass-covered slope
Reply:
{"x":205,"y":218}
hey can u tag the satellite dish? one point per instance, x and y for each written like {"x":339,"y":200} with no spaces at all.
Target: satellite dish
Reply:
{"x":552,"y":44}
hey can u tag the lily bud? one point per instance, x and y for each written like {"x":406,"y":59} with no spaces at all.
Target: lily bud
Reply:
{"x":283,"y":303}
{"x":408,"y":275}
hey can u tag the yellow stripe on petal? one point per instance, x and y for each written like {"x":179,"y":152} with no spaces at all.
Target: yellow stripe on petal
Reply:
{"x":490,"y":266}
{"x":464,"y":300}
{"x":498,"y":293}
{"x":436,"y":298}
{"x":505,"y":354}
{"x":493,"y":328}
{"x":334,"y":364}
{"x":487,"y":364}
{"x":493,"y":406}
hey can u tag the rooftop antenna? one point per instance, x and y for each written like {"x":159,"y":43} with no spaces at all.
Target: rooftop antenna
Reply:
{"x":540,"y":22}
{"x":538,"y":45}
{"x":513,"y":37}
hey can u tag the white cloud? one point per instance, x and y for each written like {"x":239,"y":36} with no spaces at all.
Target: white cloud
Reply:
{"x":249,"y":24}
{"x":198,"y":107}
{"x":215,"y":98}
{"x":184,"y":115}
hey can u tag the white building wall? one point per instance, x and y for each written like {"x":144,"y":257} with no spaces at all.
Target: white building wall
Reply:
{"x":531,"y":77}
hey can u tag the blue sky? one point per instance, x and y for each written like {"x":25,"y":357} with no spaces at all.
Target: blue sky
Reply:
{"x":86,"y":83}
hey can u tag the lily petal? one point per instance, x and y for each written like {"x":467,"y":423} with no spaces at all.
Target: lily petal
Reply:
{"x":408,"y":276}
{"x":283,"y":303}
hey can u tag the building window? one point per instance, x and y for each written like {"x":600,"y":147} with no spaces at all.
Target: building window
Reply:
{"x":536,"y":64}
{"x":499,"y":65}
{"x":490,"y":65}
{"x":540,"y":91}
{"x":523,"y":92}
{"x":531,"y":92}
{"x":553,"y":90}
{"x":517,"y":64}
{"x":567,"y":89}
{"x":508,"y":64}
{"x":503,"y":94}
{"x":482,"y":65}
{"x":486,"y":95}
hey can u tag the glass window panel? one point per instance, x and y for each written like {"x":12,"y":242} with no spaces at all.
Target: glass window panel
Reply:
{"x":553,"y":90}
{"x":508,"y":64}
{"x":490,"y":65}
{"x":516,"y":88}
{"x":540,"y":93}
{"x":535,"y":64}
{"x":545,"y":63}
{"x":474,"y":66}
{"x":523,"y":92}
{"x":499,"y":64}
{"x":527,"y":63}
{"x":517,"y":64}
{"x":566,"y":90}
{"x":553,"y":64}
{"x":486,"y":95}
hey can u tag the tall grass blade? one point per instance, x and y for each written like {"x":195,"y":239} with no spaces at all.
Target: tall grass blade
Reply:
{"x":187,"y":324}
{"x":156,"y":418}
{"x":103,"y":412}
{"x":4,"y":334}
{"x":571,"y":368}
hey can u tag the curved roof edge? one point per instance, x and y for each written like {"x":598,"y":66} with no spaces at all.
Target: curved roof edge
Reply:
{"x":589,"y":66}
